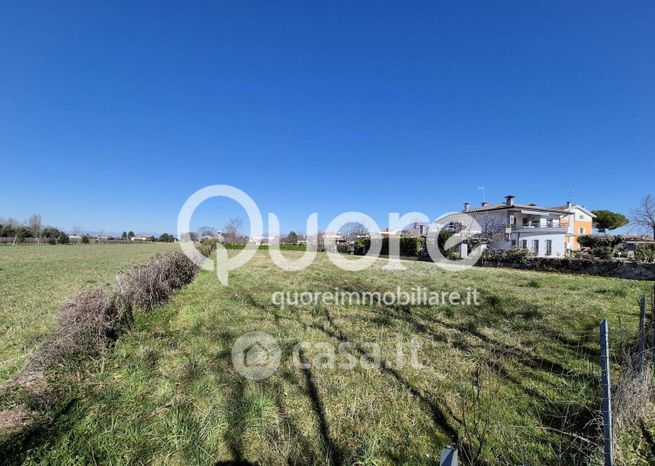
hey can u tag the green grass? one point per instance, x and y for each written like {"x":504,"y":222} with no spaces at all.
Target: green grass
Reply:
{"x":36,"y":280}
{"x":168,"y":393}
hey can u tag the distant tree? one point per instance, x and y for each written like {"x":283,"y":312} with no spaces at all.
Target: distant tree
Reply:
{"x":34,"y":223}
{"x":63,"y":238}
{"x":191,"y":236}
{"x":644,"y":216}
{"x":124,"y":235}
{"x":50,"y":232}
{"x":166,"y":238}
{"x":292,"y":238}
{"x":130,"y":234}
{"x":85,"y":239}
{"x":8,"y":231}
{"x":353,"y":230}
{"x":608,"y":220}
{"x":233,"y":231}
{"x":22,"y":233}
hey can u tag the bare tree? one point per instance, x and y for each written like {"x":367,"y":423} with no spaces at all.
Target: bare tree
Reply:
{"x":352,"y":231}
{"x":14,"y":226}
{"x":207,"y":232}
{"x":478,"y":405}
{"x":318,"y":241}
{"x":232,"y":229}
{"x":644,"y":216}
{"x":34,"y":223}
{"x":491,"y":225}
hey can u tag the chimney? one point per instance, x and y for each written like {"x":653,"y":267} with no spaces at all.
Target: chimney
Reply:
{"x":509,"y":200}
{"x":484,"y":204}
{"x":568,"y":204}
{"x":467,"y":207}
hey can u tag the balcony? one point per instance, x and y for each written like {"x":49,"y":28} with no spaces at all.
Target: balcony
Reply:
{"x":545,"y":227}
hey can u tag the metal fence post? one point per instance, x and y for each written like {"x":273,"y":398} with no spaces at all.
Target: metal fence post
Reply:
{"x":652,"y":320}
{"x":449,"y":456}
{"x":606,"y":404}
{"x":642,"y":333}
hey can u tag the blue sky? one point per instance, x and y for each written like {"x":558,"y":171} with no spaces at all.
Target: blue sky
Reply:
{"x":113,"y":113}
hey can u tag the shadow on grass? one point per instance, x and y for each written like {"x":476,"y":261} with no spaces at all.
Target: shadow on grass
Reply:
{"x":333,"y":453}
{"x":438,"y":415}
{"x":15,"y":449}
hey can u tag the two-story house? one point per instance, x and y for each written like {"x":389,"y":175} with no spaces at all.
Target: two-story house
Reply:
{"x":527,"y":226}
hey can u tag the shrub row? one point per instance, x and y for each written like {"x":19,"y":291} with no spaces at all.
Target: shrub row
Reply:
{"x":96,"y":317}
{"x":645,"y":253}
{"x":507,"y":256}
{"x":409,"y":246}
{"x":86,"y":326}
{"x":283,"y":246}
{"x":599,"y":241}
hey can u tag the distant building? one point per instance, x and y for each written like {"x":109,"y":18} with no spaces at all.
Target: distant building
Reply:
{"x":630,"y":243}
{"x":262,"y":239}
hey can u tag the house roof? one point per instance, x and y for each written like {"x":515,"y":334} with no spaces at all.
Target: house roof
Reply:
{"x":503,"y":206}
{"x":576,"y":206}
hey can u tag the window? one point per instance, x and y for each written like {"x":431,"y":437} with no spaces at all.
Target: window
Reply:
{"x":582,"y":230}
{"x":549,"y":247}
{"x":549,"y":222}
{"x":580,"y":217}
{"x":525,"y":221}
{"x":524,"y":244}
{"x":513,"y":243}
{"x":535,"y":246}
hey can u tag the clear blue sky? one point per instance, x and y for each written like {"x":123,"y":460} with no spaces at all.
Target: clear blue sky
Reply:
{"x":113,"y":113}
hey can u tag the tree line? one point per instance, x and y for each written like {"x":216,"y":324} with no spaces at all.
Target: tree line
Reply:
{"x":33,"y":229}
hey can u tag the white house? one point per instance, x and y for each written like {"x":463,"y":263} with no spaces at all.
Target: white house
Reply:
{"x":507,"y":224}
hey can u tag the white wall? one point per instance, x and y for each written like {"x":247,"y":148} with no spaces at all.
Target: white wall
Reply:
{"x":558,"y":249}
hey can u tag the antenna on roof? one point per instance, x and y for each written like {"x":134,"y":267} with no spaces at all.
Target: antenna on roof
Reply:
{"x":571,"y":195}
{"x":482,"y":188}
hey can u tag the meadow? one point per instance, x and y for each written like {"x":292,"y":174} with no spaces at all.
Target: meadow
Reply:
{"x":513,"y":380}
{"x":36,"y":280}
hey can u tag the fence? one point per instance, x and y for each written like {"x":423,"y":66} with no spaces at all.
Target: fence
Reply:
{"x":635,"y":383}
{"x":625,"y":390}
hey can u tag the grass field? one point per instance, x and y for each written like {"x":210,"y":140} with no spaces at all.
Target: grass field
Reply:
{"x":36,"y":280}
{"x":517,"y":374}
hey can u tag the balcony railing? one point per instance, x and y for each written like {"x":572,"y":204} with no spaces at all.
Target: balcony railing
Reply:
{"x":537,"y":225}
